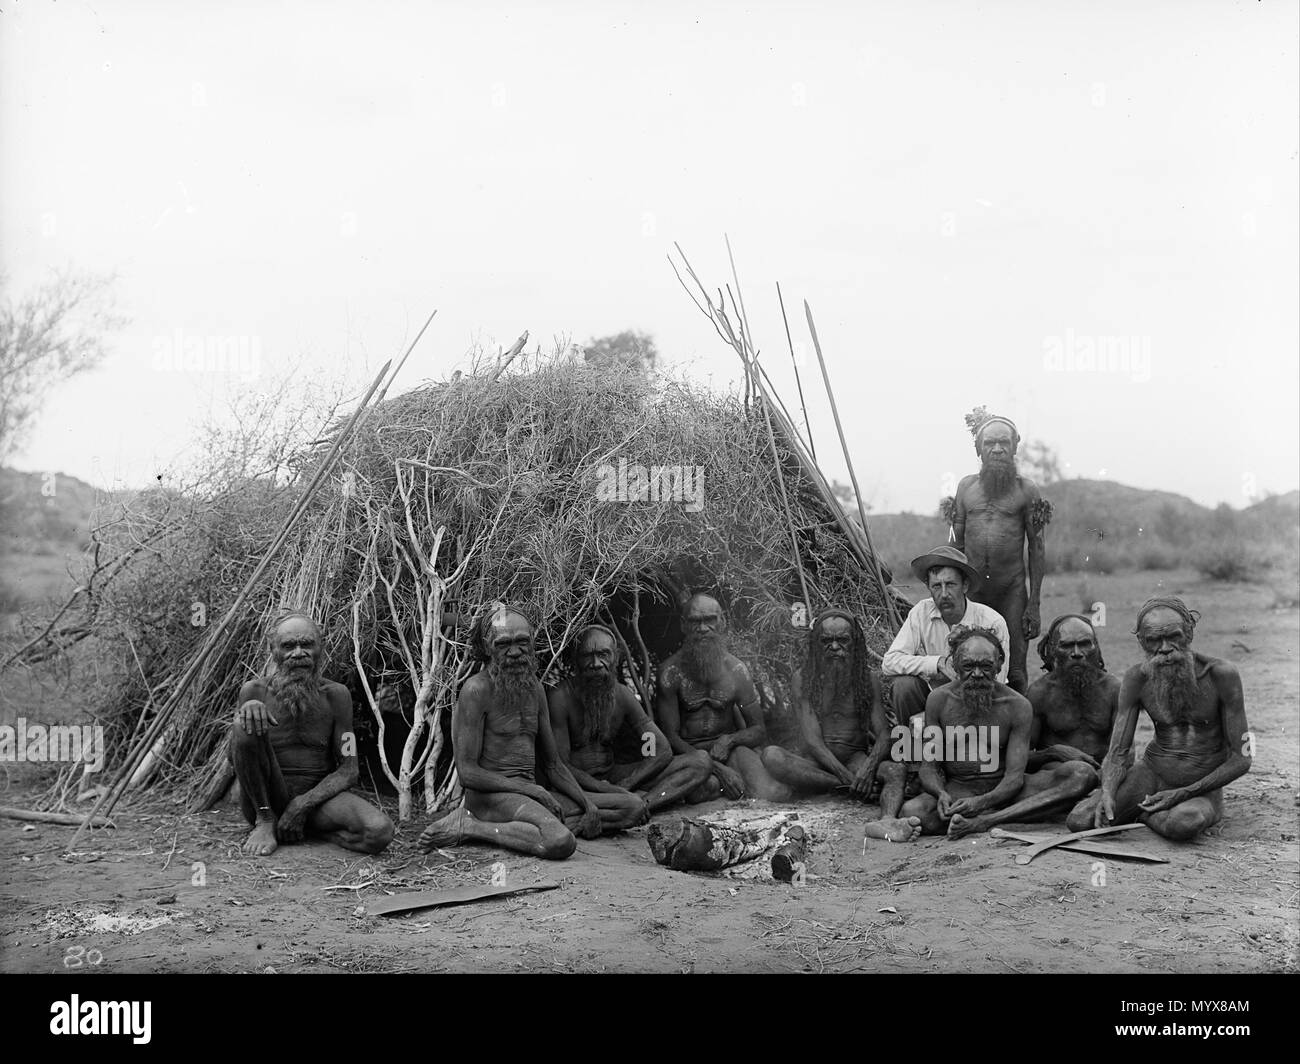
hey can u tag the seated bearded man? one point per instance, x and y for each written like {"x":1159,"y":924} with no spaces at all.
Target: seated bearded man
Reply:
{"x":977,"y":747}
{"x":707,"y":701}
{"x":846,"y":733}
{"x":294,"y":752}
{"x":1075,"y":703}
{"x":519,"y":793}
{"x":1202,"y":741}
{"x":593,"y":715}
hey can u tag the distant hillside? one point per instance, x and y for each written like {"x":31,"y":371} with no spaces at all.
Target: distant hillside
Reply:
{"x":45,"y":513}
{"x":1099,"y":525}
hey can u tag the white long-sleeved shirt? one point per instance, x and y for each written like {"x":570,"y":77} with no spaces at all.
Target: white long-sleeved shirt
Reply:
{"x":923,"y":639}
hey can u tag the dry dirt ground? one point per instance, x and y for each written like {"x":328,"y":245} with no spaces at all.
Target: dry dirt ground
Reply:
{"x":167,"y":893}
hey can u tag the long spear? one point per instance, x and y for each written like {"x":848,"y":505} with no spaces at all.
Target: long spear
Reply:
{"x":807,"y":425}
{"x":746,"y":344}
{"x":111,"y":797}
{"x":862,"y":510}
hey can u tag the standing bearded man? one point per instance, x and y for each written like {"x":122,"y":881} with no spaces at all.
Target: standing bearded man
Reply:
{"x":506,"y":755}
{"x":1075,"y":703}
{"x":701,"y":688}
{"x":995,"y":513}
{"x":294,"y":751}
{"x":591,"y":708}
{"x":846,"y":733}
{"x":1202,"y":741}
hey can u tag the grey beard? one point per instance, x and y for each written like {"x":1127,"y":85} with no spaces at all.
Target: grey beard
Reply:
{"x":977,"y":699}
{"x":596,"y":696}
{"x":513,"y":689}
{"x":702,"y":658}
{"x":998,"y":478}
{"x":297,"y":694}
{"x":1174,"y":687}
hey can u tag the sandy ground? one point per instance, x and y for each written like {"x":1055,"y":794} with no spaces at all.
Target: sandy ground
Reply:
{"x":167,"y":893}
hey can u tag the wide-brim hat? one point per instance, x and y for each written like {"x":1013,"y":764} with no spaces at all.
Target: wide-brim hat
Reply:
{"x":950,"y":556}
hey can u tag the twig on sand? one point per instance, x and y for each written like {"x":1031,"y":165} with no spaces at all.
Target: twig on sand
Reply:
{"x":72,"y":820}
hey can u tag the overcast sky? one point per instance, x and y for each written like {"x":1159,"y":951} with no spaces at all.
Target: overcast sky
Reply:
{"x":971,"y":197}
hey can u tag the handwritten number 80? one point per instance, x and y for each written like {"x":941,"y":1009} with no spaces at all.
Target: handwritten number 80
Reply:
{"x":74,"y":957}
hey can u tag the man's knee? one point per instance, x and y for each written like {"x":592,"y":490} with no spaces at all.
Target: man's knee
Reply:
{"x":244,"y":742}
{"x":376,"y":832}
{"x":710,"y":789}
{"x":891,"y":772}
{"x":909,"y":695}
{"x":1078,"y":776}
{"x":918,"y":806}
{"x":699,"y":761}
{"x":1181,"y":823}
{"x":558,"y":844}
{"x":1081,"y":816}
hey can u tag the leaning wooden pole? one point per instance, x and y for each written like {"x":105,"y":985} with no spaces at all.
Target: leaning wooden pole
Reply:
{"x":747,"y":346}
{"x":798,"y":380}
{"x":853,"y":476}
{"x":111,"y":797}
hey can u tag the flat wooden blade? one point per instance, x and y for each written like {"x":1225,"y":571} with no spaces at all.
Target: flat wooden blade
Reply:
{"x":1098,"y":847}
{"x":433,"y":899}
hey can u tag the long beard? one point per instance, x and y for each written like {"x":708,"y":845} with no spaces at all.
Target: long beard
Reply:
{"x":977,"y":699}
{"x":298,"y":693}
{"x":702,"y":657}
{"x":514,"y":686}
{"x":1174,"y":686}
{"x":596,"y":696}
{"x":1079,"y":680}
{"x":998,"y":478}
{"x":837,"y":680}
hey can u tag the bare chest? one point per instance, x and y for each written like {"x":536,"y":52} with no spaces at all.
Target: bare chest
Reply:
{"x":311,"y":731}
{"x":506,"y":725}
{"x":1065,"y":716}
{"x":1198,"y":714}
{"x":711,"y":695}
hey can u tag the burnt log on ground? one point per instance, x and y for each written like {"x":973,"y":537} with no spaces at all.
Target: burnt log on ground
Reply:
{"x":690,"y":845}
{"x":791,"y":856}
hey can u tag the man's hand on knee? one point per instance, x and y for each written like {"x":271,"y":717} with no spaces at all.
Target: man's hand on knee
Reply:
{"x":254,"y":717}
{"x":1161,"y":800}
{"x":292,"y":825}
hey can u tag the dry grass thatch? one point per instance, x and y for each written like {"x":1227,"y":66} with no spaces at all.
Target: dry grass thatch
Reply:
{"x":480,"y":488}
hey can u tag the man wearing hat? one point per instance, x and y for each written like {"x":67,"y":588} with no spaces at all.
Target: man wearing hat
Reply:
{"x":917,"y":660}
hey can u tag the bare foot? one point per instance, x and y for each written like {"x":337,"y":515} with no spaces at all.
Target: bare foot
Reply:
{"x":959,"y":825}
{"x":449,"y":831}
{"x":261,"y":840}
{"x":893,"y":829}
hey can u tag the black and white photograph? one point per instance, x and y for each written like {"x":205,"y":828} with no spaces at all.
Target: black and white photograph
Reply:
{"x":603,"y":488}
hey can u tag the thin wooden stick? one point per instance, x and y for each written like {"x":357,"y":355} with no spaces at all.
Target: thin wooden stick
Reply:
{"x":627,"y":653}
{"x":402,"y":361}
{"x":771,"y":435}
{"x":111,"y":797}
{"x":862,"y":510}
{"x":510,"y":356}
{"x":70,"y":819}
{"x":797,"y":379}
